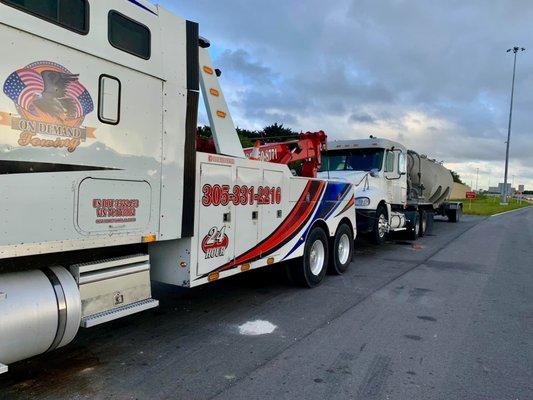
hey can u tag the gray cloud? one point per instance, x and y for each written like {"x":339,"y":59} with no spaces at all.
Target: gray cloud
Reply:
{"x":363,"y":118}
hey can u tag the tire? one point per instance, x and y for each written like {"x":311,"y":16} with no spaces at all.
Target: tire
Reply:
{"x":454,"y":215}
{"x":341,"y":253}
{"x":310,"y":271}
{"x":423,"y":223}
{"x":413,"y":231}
{"x":379,"y":233}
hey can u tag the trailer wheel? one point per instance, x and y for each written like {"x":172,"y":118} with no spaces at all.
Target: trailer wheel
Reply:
{"x":413,"y":232}
{"x":423,"y":223}
{"x":342,"y":250}
{"x":310,"y":271}
{"x":379,"y":233}
{"x":454,"y":215}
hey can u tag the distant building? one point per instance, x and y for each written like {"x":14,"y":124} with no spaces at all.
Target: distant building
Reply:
{"x":510,"y":190}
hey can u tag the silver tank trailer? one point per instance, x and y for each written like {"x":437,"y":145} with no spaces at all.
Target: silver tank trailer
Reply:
{"x":429,"y":181}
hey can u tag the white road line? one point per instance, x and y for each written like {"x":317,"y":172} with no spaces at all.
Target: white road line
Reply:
{"x":507,"y":212}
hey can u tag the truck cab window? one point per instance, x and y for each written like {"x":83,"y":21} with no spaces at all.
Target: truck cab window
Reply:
{"x":128,"y":35}
{"x":389,"y":161}
{"x":352,"y":160}
{"x":70,"y":14}
{"x":402,"y":164}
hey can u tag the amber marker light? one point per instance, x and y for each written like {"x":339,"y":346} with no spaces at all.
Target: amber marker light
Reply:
{"x":221,"y":114}
{"x":208,"y":70}
{"x":213,"y":277}
{"x":149,"y":239}
{"x":270,"y":261}
{"x":245,"y":267}
{"x":214,"y":92}
{"x":183,"y":264}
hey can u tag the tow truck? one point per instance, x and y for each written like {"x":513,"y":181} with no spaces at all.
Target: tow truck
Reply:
{"x":102,"y":189}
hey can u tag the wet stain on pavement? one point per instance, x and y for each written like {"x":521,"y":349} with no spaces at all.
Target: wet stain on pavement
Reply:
{"x":426,"y":318}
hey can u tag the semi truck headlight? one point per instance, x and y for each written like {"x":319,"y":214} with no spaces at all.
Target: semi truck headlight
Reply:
{"x":362,"y":201}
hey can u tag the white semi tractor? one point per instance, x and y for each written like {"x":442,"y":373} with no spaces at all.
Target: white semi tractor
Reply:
{"x":396,"y":189}
{"x":102,"y":190}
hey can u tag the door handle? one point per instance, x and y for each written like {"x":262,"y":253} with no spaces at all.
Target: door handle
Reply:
{"x":255,"y":215}
{"x":227,"y":217}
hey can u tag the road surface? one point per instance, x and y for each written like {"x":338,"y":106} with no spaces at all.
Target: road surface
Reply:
{"x":450,"y":317}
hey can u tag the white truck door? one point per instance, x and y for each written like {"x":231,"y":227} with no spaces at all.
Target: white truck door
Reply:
{"x":216,"y":233}
{"x":396,"y":182}
{"x":246,"y":210}
{"x":390,"y":175}
{"x":271,"y":202}
{"x":402,"y":186}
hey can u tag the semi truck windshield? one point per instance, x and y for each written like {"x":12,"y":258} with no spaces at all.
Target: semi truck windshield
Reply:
{"x":352,"y":160}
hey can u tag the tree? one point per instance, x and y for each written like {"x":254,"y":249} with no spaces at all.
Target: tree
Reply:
{"x":456,"y":177}
{"x":205,"y":131}
{"x":247,"y":137}
{"x":277,"y":130}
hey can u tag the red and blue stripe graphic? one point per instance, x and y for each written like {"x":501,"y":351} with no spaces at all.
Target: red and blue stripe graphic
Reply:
{"x":333,"y":198}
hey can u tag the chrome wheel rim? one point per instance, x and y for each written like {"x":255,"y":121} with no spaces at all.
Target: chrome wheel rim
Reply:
{"x":344,"y":249}
{"x":382,"y":225}
{"x":317,"y":257}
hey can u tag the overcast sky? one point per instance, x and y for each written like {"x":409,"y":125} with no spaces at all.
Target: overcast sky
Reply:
{"x":431,"y":74}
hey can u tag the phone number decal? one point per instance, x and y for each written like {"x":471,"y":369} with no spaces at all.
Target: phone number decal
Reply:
{"x":221,"y":195}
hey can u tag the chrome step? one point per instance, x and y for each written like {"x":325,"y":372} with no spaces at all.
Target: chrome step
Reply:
{"x":119,"y":312}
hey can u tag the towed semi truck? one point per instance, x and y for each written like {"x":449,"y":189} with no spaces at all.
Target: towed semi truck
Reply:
{"x":397,"y":190}
{"x":102,"y":189}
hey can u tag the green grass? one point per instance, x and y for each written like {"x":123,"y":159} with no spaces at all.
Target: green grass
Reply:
{"x":484,"y":205}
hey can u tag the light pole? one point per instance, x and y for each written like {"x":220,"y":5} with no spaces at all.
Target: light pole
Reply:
{"x":477,"y":180}
{"x":515,"y":50}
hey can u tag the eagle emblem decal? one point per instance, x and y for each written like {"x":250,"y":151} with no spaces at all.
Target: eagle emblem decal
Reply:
{"x":52,"y":104}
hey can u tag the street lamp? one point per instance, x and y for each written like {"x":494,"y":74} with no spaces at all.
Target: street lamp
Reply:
{"x":515,"y":50}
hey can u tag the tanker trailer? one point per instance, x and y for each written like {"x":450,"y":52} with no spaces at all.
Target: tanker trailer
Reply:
{"x":396,"y":189}
{"x":430,"y":183}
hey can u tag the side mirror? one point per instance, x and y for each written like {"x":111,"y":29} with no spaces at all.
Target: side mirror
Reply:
{"x":374,"y":173}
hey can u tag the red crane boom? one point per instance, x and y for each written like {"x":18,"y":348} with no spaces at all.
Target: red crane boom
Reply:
{"x":307,"y":149}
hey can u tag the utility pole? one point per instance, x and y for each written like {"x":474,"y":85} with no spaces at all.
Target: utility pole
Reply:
{"x":477,"y":180}
{"x":505,"y":193}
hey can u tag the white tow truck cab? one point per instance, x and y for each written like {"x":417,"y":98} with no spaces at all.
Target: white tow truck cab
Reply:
{"x":396,"y":189}
{"x":102,"y":190}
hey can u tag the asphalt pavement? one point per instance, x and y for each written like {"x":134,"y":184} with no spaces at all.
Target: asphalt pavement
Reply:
{"x":447,"y":317}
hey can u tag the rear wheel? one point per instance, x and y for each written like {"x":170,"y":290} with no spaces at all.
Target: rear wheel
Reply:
{"x":381,"y":226}
{"x":310,"y":271}
{"x":454,"y":215}
{"x":413,"y":232}
{"x":423,"y":223}
{"x":342,"y":250}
